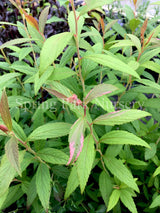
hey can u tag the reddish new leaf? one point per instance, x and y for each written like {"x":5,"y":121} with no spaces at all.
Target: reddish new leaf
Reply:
{"x":76,"y":138}
{"x":98,"y":91}
{"x":56,"y":93}
{"x":4,"y":110}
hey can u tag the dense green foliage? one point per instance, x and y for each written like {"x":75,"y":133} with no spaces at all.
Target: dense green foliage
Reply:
{"x":80,"y":112}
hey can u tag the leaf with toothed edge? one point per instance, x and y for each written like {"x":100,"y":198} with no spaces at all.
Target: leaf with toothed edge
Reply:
{"x":99,"y":90}
{"x":4,"y":110}
{"x":11,"y":149}
{"x":76,"y":138}
{"x":85,"y":161}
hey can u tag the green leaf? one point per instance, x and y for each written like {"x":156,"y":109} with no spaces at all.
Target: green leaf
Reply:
{"x":104,"y":102}
{"x":43,"y":185}
{"x":85,"y":161}
{"x":60,"y":73}
{"x":127,"y":200}
{"x":7,"y":173}
{"x":157,"y":172}
{"x":150,"y":153}
{"x":52,"y":47}
{"x":55,"y":19}
{"x":24,"y":69}
{"x":3,"y":198}
{"x":50,"y":130}
{"x":11,"y":149}
{"x":99,"y":90}
{"x":153,"y":103}
{"x":16,"y":101}
{"x":113,"y":63}
{"x":113,"y":200}
{"x":135,"y":41}
{"x":71,"y":21}
{"x":121,"y":43}
{"x":133,"y":23}
{"x":90,"y":5}
{"x":105,"y":186}
{"x":6,"y":77}
{"x":53,"y":156}
{"x":118,"y":137}
{"x":151,"y":66}
{"x":72,"y":183}
{"x":4,"y":110}
{"x":155,"y":203}
{"x":76,"y":138}
{"x":31,"y":192}
{"x":16,"y":41}
{"x":120,"y":117}
{"x":14,"y":194}
{"x":43,"y":18}
{"x":117,"y":168}
{"x":149,"y":83}
{"x":39,"y":81}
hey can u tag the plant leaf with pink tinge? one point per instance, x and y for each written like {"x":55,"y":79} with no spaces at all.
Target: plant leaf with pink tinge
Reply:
{"x":76,"y":138}
{"x":4,"y":110}
{"x":98,"y":91}
{"x":120,"y":117}
{"x":56,"y":93}
{"x":85,"y":162}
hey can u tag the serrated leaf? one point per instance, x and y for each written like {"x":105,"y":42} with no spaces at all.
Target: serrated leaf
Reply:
{"x":85,"y":162}
{"x":14,"y":194}
{"x":11,"y":150}
{"x":105,"y":186}
{"x":15,"y":41}
{"x":7,"y":173}
{"x":99,"y":90}
{"x":3,"y":198}
{"x":113,"y":63}
{"x":52,"y":47}
{"x":118,"y":137}
{"x":152,"y":66}
{"x":60,"y":73}
{"x":6,"y":77}
{"x":127,"y":200}
{"x":76,"y":138}
{"x":40,"y":80}
{"x":113,"y":200}
{"x":117,"y":168}
{"x":150,"y":153}
{"x":135,"y":41}
{"x":72,"y":183}
{"x":152,"y":103}
{"x":120,"y":117}
{"x":31,"y":192}
{"x":19,"y":101}
{"x":4,"y":110}
{"x":43,"y":185}
{"x":53,"y":156}
{"x":50,"y":130}
{"x":43,"y":18}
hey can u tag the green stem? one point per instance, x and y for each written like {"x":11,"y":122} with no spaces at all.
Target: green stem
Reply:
{"x":77,"y":44}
